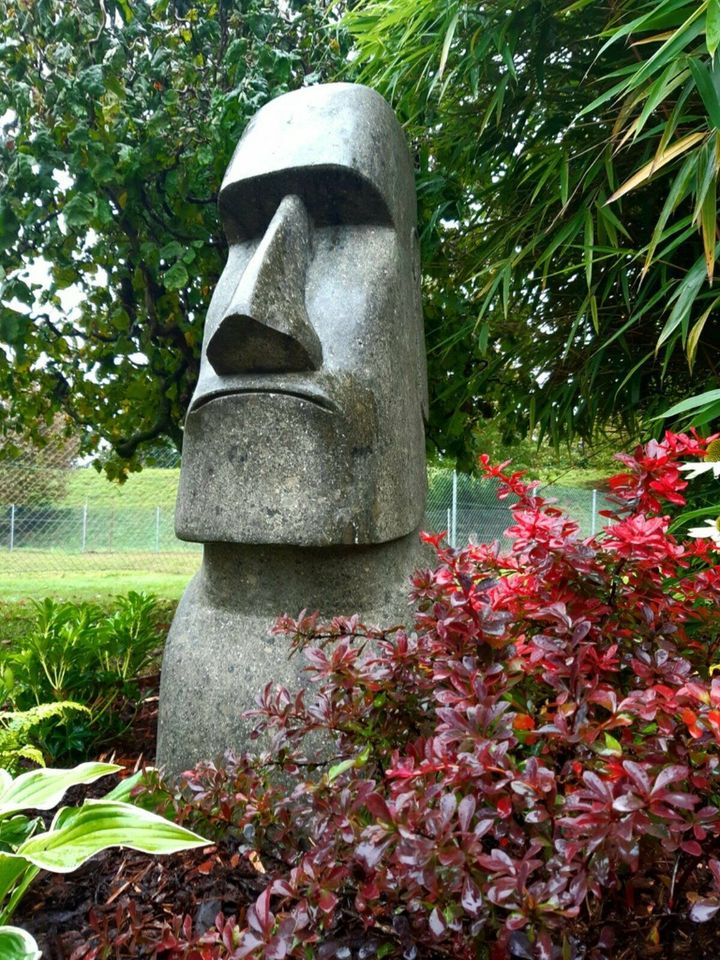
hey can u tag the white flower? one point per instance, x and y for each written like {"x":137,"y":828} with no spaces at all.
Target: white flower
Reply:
{"x":711,"y":529}
{"x":695,"y":469}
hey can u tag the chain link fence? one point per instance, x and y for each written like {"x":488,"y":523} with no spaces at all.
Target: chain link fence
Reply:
{"x":59,"y":518}
{"x":468,"y":509}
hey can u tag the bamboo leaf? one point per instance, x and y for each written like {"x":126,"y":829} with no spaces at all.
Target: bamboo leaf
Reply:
{"x":708,"y":222}
{"x":446,"y":44}
{"x":712,"y":26}
{"x":694,"y":335}
{"x":707,"y":90}
{"x":564,"y":180}
{"x":706,"y":174}
{"x":655,"y":38}
{"x":684,"y":298}
{"x":648,"y":169}
{"x":672,"y":48}
{"x":676,"y":193}
{"x":588,"y":247}
{"x":631,"y":373}
{"x":706,"y":415}
{"x":659,"y":91}
{"x":701,"y":400}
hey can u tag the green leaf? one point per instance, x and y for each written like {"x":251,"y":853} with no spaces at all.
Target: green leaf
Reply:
{"x":13,"y":325}
{"x":588,"y":247}
{"x":708,"y":225}
{"x":91,"y":80}
{"x":176,"y":278}
{"x":696,"y":332}
{"x":450,"y":33}
{"x":648,"y":169}
{"x":684,"y":298}
{"x":79,"y":210}
{"x":44,"y":789}
{"x":123,"y":790}
{"x":689,"y":515}
{"x":78,"y":833}
{"x":339,"y":768}
{"x":712,"y":26}
{"x":692,"y":403}
{"x":704,"y":81}
{"x":11,"y":870}
{"x":172,"y":250}
{"x":16,"y":944}
{"x":564,"y":180}
{"x":483,"y":337}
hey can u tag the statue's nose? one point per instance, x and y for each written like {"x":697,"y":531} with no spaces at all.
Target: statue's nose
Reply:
{"x":266,"y":328}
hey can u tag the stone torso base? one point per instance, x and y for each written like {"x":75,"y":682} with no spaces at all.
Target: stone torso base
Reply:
{"x":219,"y":654}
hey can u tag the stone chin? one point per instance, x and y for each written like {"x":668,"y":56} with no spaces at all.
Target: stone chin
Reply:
{"x":286,"y":467}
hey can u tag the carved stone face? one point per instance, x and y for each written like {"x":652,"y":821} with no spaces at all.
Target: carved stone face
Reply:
{"x":306,"y":426}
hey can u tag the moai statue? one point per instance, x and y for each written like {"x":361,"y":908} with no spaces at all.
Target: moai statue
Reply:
{"x":303,"y":467}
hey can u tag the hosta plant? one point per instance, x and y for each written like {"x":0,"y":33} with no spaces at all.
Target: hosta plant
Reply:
{"x":531,"y":772}
{"x":74,"y":835}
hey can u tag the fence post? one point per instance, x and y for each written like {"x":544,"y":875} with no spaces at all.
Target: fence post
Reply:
{"x":12,"y":527}
{"x":453,"y":537}
{"x":84,"y":527}
{"x":157,"y":529}
{"x":594,"y":513}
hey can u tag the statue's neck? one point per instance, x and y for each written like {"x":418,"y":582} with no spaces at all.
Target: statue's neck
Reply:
{"x":277,"y":579}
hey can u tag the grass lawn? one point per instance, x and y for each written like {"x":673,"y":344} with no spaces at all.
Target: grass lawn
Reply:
{"x":152,"y":487}
{"x":83,"y":576}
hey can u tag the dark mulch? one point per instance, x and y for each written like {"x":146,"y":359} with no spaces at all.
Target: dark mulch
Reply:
{"x":63,"y":912}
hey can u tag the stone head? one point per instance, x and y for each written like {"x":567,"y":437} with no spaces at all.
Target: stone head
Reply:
{"x":306,"y":426}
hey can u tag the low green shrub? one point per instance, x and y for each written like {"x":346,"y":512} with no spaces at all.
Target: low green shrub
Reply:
{"x":79,"y":652}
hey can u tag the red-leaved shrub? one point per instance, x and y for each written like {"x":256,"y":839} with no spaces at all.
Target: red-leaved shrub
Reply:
{"x":529,"y":771}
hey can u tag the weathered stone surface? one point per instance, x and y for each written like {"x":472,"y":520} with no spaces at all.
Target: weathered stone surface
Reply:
{"x":303,"y":467}
{"x":318,"y":313}
{"x":266,"y":327}
{"x":220,"y":654}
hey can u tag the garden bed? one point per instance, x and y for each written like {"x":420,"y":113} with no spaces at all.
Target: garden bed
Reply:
{"x":143,"y":902}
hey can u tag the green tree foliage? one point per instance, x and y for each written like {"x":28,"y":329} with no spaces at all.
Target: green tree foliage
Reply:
{"x":568,"y":156}
{"x":119,"y":120}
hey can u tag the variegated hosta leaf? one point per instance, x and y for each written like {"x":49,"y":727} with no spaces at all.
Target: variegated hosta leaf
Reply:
{"x":77,"y":833}
{"x":44,"y":789}
{"x":16,"y":944}
{"x":123,"y":790}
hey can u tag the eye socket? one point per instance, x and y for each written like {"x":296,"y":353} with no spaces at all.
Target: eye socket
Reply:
{"x":332,"y":195}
